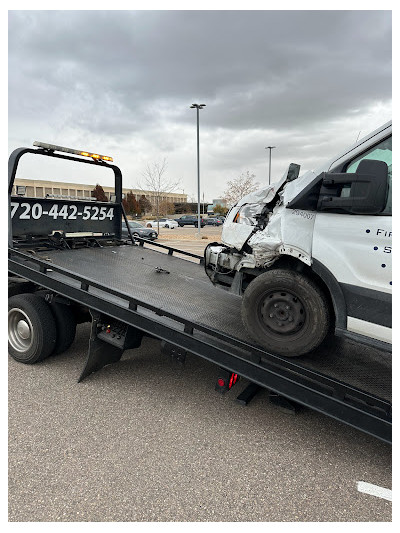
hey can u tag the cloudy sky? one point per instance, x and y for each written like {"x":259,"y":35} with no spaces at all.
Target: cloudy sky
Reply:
{"x":121,"y":83}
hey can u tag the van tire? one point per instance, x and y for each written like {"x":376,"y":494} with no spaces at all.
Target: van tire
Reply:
{"x":32,"y":329}
{"x":285,"y":312}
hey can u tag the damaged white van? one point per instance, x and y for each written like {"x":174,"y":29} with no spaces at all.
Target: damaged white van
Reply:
{"x":312,"y":254}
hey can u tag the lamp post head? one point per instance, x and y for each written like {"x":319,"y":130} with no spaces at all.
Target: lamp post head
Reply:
{"x":197,"y":106}
{"x":270,"y":147}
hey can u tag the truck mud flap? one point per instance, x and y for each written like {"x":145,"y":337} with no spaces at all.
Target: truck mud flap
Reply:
{"x":107,"y":343}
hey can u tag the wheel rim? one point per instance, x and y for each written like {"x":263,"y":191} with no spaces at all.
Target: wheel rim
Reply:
{"x":282,"y":312}
{"x":20,"y":330}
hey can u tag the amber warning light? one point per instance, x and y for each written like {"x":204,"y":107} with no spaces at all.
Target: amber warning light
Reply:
{"x":54,"y":147}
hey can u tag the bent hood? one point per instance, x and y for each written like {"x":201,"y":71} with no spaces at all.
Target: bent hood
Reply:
{"x":235,"y":234}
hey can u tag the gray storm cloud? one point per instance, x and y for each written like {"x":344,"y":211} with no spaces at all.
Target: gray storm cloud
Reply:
{"x":305,"y":81}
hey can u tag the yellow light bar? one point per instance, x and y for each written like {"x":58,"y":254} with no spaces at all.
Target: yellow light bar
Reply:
{"x":54,"y":147}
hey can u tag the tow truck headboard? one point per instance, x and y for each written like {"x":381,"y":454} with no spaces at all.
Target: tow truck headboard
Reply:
{"x":40,"y":219}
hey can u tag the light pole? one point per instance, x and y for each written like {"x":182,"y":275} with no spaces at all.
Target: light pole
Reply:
{"x":198,"y":107}
{"x":269,"y":173}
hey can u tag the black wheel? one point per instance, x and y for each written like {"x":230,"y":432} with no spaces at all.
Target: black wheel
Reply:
{"x":180,"y":225}
{"x":285,"y":312}
{"x":135,"y":235}
{"x":65,"y":324}
{"x":32,"y":329}
{"x":166,"y":226}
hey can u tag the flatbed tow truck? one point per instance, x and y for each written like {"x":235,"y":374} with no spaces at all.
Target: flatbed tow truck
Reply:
{"x":68,"y":263}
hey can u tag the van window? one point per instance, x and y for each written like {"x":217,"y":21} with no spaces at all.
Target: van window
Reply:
{"x":381,"y":152}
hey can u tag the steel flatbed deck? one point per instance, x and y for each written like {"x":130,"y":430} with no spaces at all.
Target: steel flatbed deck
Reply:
{"x":170,"y":298}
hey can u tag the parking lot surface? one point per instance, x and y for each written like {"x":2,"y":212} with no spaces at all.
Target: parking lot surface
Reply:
{"x":146,"y":440}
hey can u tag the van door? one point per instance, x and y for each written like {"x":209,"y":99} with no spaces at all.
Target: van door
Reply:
{"x":357,"y":250}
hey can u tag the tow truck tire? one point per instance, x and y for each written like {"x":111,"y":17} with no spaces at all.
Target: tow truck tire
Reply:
{"x":32,"y":332}
{"x":285,"y":312}
{"x":65,"y":324}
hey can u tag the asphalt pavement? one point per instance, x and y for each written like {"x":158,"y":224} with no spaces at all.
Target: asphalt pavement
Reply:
{"x":147,"y":440}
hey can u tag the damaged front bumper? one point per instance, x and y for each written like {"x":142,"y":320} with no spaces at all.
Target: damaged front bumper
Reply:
{"x":225,"y":266}
{"x":221,"y":263}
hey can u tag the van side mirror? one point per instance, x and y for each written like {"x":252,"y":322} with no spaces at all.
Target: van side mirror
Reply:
{"x":293,"y":172}
{"x":361,"y":193}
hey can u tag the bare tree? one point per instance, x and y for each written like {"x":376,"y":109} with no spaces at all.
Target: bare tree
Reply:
{"x":239,"y":187}
{"x":166,"y":207}
{"x":156,"y":182}
{"x":220,"y":210}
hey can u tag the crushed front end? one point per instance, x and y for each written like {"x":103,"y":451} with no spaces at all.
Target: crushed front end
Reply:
{"x":256,"y":232}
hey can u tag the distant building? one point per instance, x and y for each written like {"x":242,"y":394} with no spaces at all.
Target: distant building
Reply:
{"x":216,"y":201}
{"x":80,"y":191}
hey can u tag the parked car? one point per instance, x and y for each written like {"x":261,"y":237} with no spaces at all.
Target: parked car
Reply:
{"x":163,"y":222}
{"x":138,"y":230}
{"x":214,"y":221}
{"x":190,"y":220}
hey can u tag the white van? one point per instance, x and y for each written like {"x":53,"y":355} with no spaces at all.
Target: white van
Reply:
{"x":313,"y":254}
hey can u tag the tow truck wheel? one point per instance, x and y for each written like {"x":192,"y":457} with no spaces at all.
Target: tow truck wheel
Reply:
{"x":65,"y":324}
{"x":32,"y":330}
{"x":285,"y":312}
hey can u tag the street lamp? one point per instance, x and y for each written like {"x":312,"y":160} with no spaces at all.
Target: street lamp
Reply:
{"x":198,"y":107}
{"x":269,"y":173}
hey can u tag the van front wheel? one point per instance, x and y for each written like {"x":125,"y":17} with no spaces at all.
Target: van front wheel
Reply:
{"x":285,"y":312}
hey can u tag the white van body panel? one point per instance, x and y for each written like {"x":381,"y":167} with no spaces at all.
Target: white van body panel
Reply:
{"x":354,"y":249}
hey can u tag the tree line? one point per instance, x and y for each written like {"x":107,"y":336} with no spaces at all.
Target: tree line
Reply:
{"x":155,"y":180}
{"x":143,"y":206}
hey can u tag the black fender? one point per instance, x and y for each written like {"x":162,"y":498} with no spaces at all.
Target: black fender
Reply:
{"x":335,"y":291}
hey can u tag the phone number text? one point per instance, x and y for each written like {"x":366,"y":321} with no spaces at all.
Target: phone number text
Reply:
{"x":56,"y":211}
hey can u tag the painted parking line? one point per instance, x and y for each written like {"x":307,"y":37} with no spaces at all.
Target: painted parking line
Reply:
{"x":374,"y":490}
